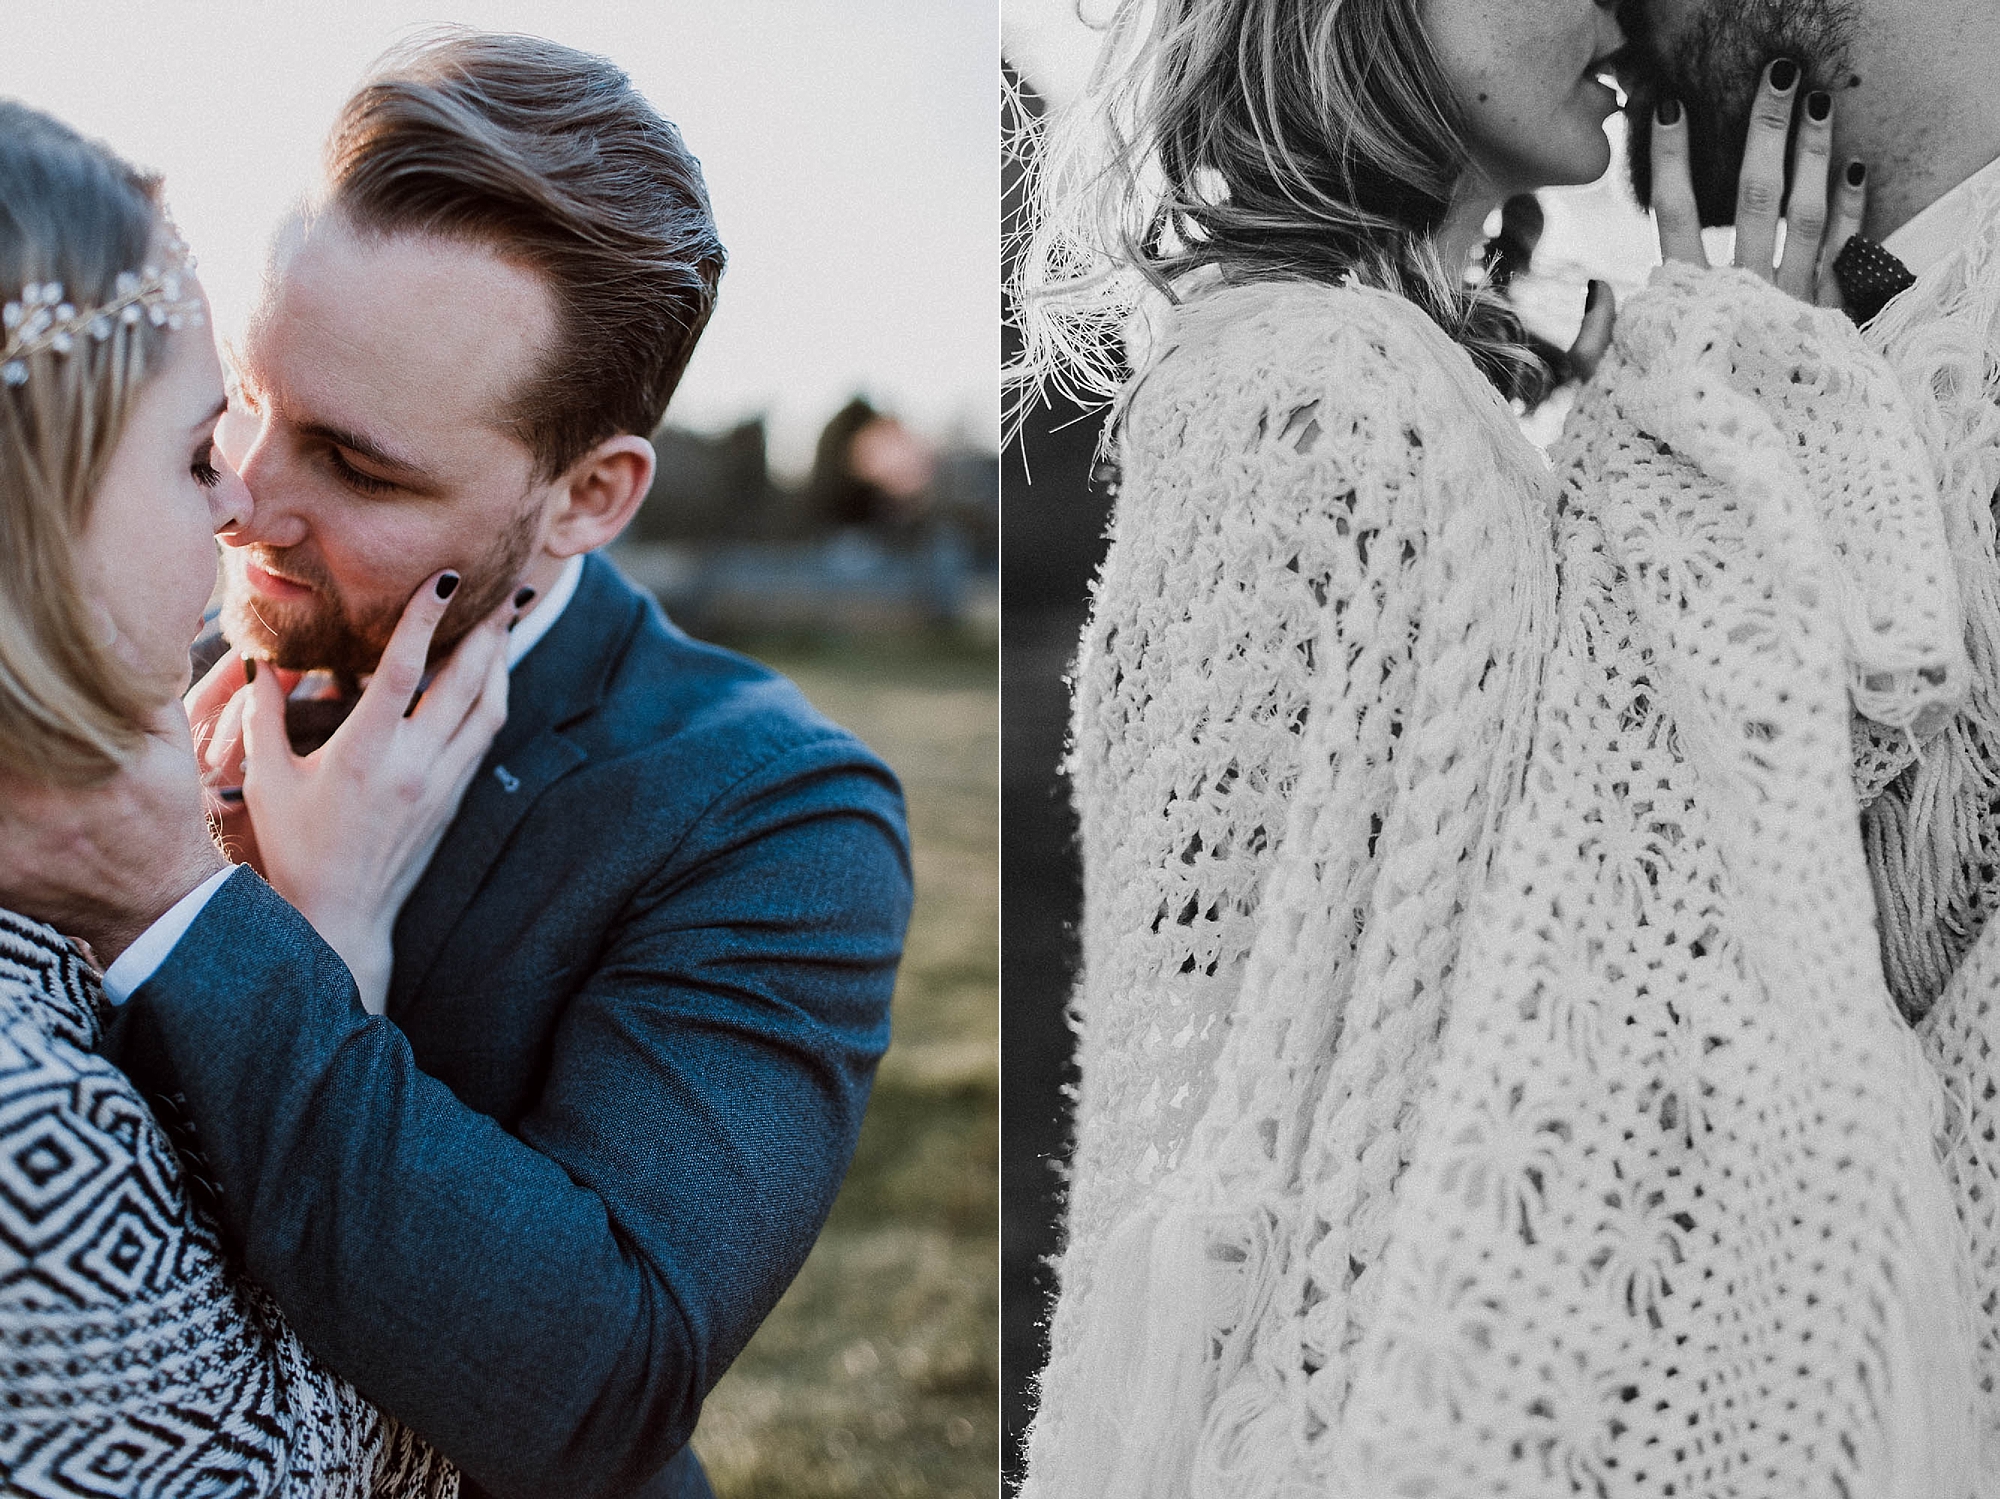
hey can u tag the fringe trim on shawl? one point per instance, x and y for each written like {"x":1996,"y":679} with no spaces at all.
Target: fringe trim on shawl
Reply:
{"x":1924,"y":835}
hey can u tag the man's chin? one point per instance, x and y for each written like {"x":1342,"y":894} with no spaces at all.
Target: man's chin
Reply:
{"x":295,"y":639}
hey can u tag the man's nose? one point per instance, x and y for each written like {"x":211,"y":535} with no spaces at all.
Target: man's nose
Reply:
{"x":261,"y":463}
{"x":230,"y":507}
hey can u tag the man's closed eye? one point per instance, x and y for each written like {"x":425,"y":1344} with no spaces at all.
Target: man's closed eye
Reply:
{"x":355,"y":478}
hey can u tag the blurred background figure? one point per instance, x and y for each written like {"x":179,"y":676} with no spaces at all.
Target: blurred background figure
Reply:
{"x":890,"y":528}
{"x":849,"y":540}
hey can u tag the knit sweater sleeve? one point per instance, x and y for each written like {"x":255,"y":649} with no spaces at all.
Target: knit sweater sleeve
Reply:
{"x":1290,"y":469}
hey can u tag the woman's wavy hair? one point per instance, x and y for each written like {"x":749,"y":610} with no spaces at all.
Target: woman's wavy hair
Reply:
{"x":73,"y":212}
{"x":1306,"y":139}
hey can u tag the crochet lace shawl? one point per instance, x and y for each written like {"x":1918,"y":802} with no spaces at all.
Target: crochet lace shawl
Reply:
{"x":133,"y":1361}
{"x":1489,"y":1082}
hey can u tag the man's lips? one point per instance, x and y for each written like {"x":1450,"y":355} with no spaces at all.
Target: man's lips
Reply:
{"x":272,"y":586}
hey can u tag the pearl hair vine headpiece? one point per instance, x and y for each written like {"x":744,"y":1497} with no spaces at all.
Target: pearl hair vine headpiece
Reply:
{"x":42,"y":320}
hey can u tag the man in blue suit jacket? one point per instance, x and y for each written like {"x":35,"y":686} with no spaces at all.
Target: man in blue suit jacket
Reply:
{"x":638,"y":997}
{"x":640,"y":989}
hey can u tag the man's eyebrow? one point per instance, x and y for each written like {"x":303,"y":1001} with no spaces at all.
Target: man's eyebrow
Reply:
{"x":367,"y":447}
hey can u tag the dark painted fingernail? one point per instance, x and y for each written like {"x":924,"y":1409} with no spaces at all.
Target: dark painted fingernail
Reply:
{"x":1784,"y":73}
{"x":249,"y":668}
{"x":447,"y":585}
{"x":1857,"y":173}
{"x":1668,"y":112}
{"x":524,"y":598}
{"x":1819,"y":105}
{"x":1592,"y":297}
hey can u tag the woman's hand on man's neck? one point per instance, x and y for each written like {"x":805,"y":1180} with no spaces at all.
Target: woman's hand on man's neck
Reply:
{"x":105,"y":862}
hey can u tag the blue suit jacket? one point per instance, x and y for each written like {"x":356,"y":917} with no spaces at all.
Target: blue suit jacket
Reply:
{"x":638,"y":999}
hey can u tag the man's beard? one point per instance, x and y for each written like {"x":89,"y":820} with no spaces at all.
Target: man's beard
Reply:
{"x":1715,"y":70}
{"x":320,"y":633}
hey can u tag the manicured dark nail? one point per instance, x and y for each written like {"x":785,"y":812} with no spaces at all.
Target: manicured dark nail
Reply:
{"x":1592,"y":297}
{"x":1857,"y":173}
{"x":1669,"y":112}
{"x":447,"y":585}
{"x":524,"y":598}
{"x":249,"y":668}
{"x":1819,"y":105}
{"x":1784,"y":73}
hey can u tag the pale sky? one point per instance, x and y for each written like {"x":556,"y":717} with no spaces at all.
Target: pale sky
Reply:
{"x":850,"y":148}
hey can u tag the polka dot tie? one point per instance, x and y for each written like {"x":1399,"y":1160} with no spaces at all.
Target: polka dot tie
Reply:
{"x":1869,"y":276}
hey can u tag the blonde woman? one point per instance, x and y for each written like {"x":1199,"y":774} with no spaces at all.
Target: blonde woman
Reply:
{"x":134,"y":1359}
{"x":1478,"y":954}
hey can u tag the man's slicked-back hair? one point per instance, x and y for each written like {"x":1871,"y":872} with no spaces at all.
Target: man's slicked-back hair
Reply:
{"x":551,"y":159}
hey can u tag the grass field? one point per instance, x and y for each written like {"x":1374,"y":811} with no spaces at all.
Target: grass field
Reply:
{"x":877,"y":1375}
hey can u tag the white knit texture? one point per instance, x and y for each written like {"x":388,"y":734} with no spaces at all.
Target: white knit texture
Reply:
{"x":1489,"y":1080}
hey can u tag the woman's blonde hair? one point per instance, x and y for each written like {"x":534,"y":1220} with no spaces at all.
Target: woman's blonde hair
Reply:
{"x":70,"y":212}
{"x":1308,"y":139}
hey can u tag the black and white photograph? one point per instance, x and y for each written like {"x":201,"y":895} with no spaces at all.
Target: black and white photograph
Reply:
{"x":1499,"y":666}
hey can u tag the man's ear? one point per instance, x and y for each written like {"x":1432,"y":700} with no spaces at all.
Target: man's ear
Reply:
{"x":601,"y":493}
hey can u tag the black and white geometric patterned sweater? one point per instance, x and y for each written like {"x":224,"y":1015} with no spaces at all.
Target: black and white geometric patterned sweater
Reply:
{"x":134,"y":1361}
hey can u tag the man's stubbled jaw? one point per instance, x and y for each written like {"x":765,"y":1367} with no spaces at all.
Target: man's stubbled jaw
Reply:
{"x":322,"y":634}
{"x":1715,"y":67}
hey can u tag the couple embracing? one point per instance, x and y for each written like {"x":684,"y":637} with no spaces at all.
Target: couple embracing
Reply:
{"x":1538,"y":1020}
{"x":456,"y":1136}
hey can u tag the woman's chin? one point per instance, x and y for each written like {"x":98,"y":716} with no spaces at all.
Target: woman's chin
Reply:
{"x":165,"y":674}
{"x":1581,"y":165}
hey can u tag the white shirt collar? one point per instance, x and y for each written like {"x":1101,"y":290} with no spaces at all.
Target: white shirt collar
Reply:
{"x":1949,"y":223}
{"x":539,"y":620}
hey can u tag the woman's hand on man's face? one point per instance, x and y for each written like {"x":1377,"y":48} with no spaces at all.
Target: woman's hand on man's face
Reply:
{"x":1820,"y":215}
{"x":345,"y":832}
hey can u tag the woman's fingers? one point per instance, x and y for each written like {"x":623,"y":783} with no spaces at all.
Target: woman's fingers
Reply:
{"x":267,"y":753}
{"x":458,"y":683}
{"x":452,"y":766}
{"x":208,"y":700}
{"x":1673,"y":187}
{"x":1850,"y":203}
{"x":1760,"y":191}
{"x":1806,"y":207}
{"x":223,"y":750}
{"x":473,"y":735}
{"x":1600,"y":313}
{"x":400,"y":672}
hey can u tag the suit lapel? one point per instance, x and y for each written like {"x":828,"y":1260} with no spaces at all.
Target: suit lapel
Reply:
{"x":560,"y":681}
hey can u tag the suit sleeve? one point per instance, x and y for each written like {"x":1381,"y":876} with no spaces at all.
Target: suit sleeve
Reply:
{"x":549,"y":1307}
